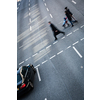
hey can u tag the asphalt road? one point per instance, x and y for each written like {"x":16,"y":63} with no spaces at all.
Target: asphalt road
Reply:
{"x":59,"y":64}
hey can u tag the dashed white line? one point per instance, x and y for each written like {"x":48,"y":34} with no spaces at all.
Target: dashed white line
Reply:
{"x":75,"y":43}
{"x":76,"y":30}
{"x":48,"y":46}
{"x":81,"y":66}
{"x":63,"y":37}
{"x":77,"y":52}
{"x":51,"y":16}
{"x":30,"y":28}
{"x":34,"y":55}
{"x":43,"y":0}
{"x":42,"y":50}
{"x":52,"y":56}
{"x":44,"y":61}
{"x":29,"y":13}
{"x":81,"y":39}
{"x":68,"y":47}
{"x":38,"y":74}
{"x":82,"y":26}
{"x":30,"y":20}
{"x":45,"y":4}
{"x":28,"y":58}
{"x":45,"y":99}
{"x":73,"y":1}
{"x":21,"y":62}
{"x":69,"y":34}
{"x":59,"y":52}
{"x":29,"y":8}
{"x":29,"y":4}
{"x":47,"y":9}
{"x":37,"y":66}
{"x":55,"y":42}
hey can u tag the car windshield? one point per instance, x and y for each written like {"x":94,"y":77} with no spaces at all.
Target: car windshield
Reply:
{"x":18,"y":78}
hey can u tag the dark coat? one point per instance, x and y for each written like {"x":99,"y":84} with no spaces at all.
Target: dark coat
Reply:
{"x":54,"y":28}
{"x":68,"y":16}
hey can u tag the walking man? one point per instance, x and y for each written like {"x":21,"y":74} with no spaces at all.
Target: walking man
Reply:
{"x":55,"y":30}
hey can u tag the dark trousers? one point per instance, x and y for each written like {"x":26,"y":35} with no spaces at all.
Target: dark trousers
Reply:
{"x":56,"y":33}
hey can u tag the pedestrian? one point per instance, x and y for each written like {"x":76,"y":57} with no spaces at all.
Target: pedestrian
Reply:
{"x":69,"y":17}
{"x":66,"y":9}
{"x":55,"y":30}
{"x":65,"y":22}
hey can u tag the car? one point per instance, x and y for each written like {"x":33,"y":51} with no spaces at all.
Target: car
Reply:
{"x":25,"y":79}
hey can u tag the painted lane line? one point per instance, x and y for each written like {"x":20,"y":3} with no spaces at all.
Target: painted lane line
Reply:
{"x":29,"y":4}
{"x":59,"y":52}
{"x":29,"y":13}
{"x":51,"y":16}
{"x":69,"y":34}
{"x":17,"y":8}
{"x":37,"y":66}
{"x":28,"y":58}
{"x":30,"y":28}
{"x":38,"y":74}
{"x":82,"y":26}
{"x":47,"y":9}
{"x":73,"y":1}
{"x":77,"y":52}
{"x":34,"y":55}
{"x":76,"y":30}
{"x":52,"y":56}
{"x":45,"y":99}
{"x":48,"y":46}
{"x":55,"y":42}
{"x":41,"y":50}
{"x":81,"y":66}
{"x":75,"y":43}
{"x":43,"y":0}
{"x":81,"y":39}
{"x":30,"y":20}
{"x":68,"y":47}
{"x":44,"y":61}
{"x":29,"y":8}
{"x":63,"y":37}
{"x":21,"y":62}
{"x":45,"y":4}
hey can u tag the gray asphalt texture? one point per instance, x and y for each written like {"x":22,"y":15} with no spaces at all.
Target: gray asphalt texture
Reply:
{"x":60,"y":63}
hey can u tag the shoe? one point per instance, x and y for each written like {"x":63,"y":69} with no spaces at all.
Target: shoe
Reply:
{"x":76,"y":21}
{"x":64,"y":33}
{"x":72,"y":25}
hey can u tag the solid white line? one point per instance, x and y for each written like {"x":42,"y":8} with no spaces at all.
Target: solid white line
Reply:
{"x":63,"y":37}
{"x":38,"y":74}
{"x":51,"y":16}
{"x":77,"y":52}
{"x":69,"y":34}
{"x":52,"y":57}
{"x":59,"y":52}
{"x":37,"y":66}
{"x":82,"y":39}
{"x":76,"y":30}
{"x":21,"y":62}
{"x":55,"y":42}
{"x":48,"y":46}
{"x":45,"y":4}
{"x":34,"y":55}
{"x":47,"y":9}
{"x":75,"y":43}
{"x":44,"y":61}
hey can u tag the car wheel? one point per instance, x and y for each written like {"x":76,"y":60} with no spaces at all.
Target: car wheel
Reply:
{"x":31,"y":85}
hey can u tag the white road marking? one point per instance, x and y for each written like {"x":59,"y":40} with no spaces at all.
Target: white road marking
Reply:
{"x":44,"y":61}
{"x":68,"y":47}
{"x":81,"y":66}
{"x":51,"y":16}
{"x":63,"y":37}
{"x":45,"y":99}
{"x":77,"y":52}
{"x":73,"y":1}
{"x":48,"y":46}
{"x":75,"y":43}
{"x":21,"y":62}
{"x":55,"y":42}
{"x":28,"y":58}
{"x":37,"y":66}
{"x":30,"y":20}
{"x":17,"y":8}
{"x":45,"y":4}
{"x":82,"y":26}
{"x":41,"y":50}
{"x":76,"y":30}
{"x":47,"y":9}
{"x":81,"y":39}
{"x":30,"y":28}
{"x":52,"y":56}
{"x":29,"y":8}
{"x":59,"y":52}
{"x":43,"y":0}
{"x":29,"y":4}
{"x":29,"y":13}
{"x":38,"y":74}
{"x":69,"y":34}
{"x":34,"y":55}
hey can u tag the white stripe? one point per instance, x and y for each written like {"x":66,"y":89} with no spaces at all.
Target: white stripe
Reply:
{"x":51,"y":16}
{"x":75,"y":43}
{"x":77,"y":52}
{"x":48,"y":46}
{"x":34,"y":54}
{"x":68,"y":47}
{"x":42,"y":50}
{"x":69,"y":34}
{"x":30,"y":20}
{"x":45,"y":99}
{"x":29,"y":8}
{"x":76,"y":30}
{"x":21,"y":62}
{"x":63,"y":37}
{"x":47,"y":9}
{"x":52,"y":57}
{"x":30,"y":28}
{"x":37,"y":66}
{"x":55,"y":42}
{"x":59,"y":52}
{"x":38,"y":74}
{"x":44,"y":61}
{"x":27,"y":58}
{"x":29,"y":4}
{"x":82,"y":39}
{"x":45,"y":4}
{"x":82,"y":26}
